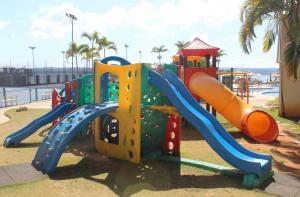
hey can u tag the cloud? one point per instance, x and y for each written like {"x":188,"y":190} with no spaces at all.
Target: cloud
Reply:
{"x":4,"y":24}
{"x":150,"y":19}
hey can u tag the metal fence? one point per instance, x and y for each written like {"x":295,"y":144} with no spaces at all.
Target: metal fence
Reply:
{"x":19,"y":96}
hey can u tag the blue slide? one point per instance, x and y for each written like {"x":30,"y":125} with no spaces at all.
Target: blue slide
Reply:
{"x":209,"y":127}
{"x":15,"y":138}
{"x":60,"y":135}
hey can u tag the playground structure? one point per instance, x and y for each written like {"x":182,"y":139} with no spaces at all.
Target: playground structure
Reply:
{"x":202,"y":83}
{"x":242,"y":79}
{"x":136,"y":112}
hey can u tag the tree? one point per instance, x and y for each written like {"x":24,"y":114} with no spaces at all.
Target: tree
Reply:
{"x":104,"y":44}
{"x":159,"y":50}
{"x":86,"y":54}
{"x":73,"y":51}
{"x":182,"y":44}
{"x":275,"y":12}
{"x":219,"y":55}
{"x":93,"y":38}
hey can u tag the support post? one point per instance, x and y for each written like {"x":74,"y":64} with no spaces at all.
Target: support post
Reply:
{"x":4,"y":96}
{"x":36,"y":94}
{"x":214,"y":65}
{"x":185,"y":62}
{"x":207,"y":65}
{"x":30,"y":99}
{"x":231,"y":79}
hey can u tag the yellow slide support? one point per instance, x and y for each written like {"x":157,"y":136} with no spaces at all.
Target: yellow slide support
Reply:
{"x":257,"y":124}
{"x":128,"y":112}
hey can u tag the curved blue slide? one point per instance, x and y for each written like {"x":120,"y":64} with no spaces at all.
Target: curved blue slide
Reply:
{"x":60,"y":135}
{"x":209,"y":127}
{"x":15,"y":138}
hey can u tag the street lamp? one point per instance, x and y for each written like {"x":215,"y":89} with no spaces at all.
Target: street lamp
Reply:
{"x":33,"y":69}
{"x":64,"y":70}
{"x":126,"y":46}
{"x":72,"y":18}
{"x":140,"y":52}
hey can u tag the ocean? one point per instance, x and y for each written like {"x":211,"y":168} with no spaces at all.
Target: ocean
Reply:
{"x":262,"y":74}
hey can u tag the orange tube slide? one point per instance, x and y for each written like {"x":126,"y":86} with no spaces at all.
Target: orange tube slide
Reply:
{"x":256,"y":124}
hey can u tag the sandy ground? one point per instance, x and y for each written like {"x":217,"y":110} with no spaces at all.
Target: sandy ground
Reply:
{"x":259,"y":99}
{"x":46,"y":104}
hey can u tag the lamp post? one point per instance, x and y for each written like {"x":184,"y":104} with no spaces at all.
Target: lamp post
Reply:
{"x":72,"y":18}
{"x":33,"y":69}
{"x":140,"y":52}
{"x":64,"y":69}
{"x":126,"y":46}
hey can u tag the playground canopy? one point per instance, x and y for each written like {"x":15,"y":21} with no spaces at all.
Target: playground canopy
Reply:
{"x":198,"y":48}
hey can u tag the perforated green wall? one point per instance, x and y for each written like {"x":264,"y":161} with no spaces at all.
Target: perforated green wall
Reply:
{"x":153,"y":122}
{"x":85,"y":90}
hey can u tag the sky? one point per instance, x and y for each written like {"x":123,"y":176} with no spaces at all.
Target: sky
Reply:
{"x":141,"y":24}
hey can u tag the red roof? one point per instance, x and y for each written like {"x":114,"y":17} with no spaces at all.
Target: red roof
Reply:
{"x":198,"y":48}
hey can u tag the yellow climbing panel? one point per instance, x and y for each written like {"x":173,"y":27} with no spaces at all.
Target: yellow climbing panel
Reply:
{"x":128,"y":112}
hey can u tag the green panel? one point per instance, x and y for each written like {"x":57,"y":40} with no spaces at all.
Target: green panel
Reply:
{"x":113,"y":91}
{"x":253,"y":181}
{"x":85,"y":96}
{"x":153,"y":122}
{"x":200,"y":164}
{"x":85,"y":90}
{"x":171,"y":67}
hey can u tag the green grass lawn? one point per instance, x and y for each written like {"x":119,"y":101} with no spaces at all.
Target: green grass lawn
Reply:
{"x":101,"y":176}
{"x":292,"y":124}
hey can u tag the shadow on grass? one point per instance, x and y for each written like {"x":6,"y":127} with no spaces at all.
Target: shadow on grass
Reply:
{"x":125,"y":179}
{"x":44,"y":132}
{"x":189,"y":133}
{"x":28,"y":145}
{"x":284,"y":168}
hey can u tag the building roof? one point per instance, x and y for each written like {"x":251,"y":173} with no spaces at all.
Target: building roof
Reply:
{"x":199,"y":48}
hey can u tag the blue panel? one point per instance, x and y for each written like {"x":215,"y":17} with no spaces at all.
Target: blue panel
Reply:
{"x":122,"y":61}
{"x":214,"y":133}
{"x":61,"y":134}
{"x":15,"y":138}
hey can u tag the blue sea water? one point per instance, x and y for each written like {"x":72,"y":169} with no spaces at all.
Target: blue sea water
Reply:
{"x":262,"y":74}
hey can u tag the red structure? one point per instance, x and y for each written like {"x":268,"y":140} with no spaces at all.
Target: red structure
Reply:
{"x":71,"y":91}
{"x":172,"y":138}
{"x":56,"y":100}
{"x":197,"y":48}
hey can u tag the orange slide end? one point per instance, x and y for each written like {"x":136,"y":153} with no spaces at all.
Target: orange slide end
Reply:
{"x":256,"y":124}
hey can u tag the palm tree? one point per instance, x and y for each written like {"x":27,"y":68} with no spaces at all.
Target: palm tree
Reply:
{"x":182,"y":44}
{"x":219,"y":55}
{"x":86,"y":54}
{"x":159,"y":50}
{"x":276,"y":12}
{"x":93,"y":38}
{"x":73,"y":51}
{"x":104,"y":44}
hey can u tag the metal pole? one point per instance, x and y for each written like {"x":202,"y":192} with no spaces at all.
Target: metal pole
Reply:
{"x":36,"y":94}
{"x":30,"y":95}
{"x":140,"y":56}
{"x":34,"y":71}
{"x":126,"y":46}
{"x":72,"y":18}
{"x":33,"y":68}
{"x":64,"y":70}
{"x":231,"y":79}
{"x":4,"y":96}
{"x":72,"y":55}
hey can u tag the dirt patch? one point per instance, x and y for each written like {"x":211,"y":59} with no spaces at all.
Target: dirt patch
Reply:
{"x":285,"y":151}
